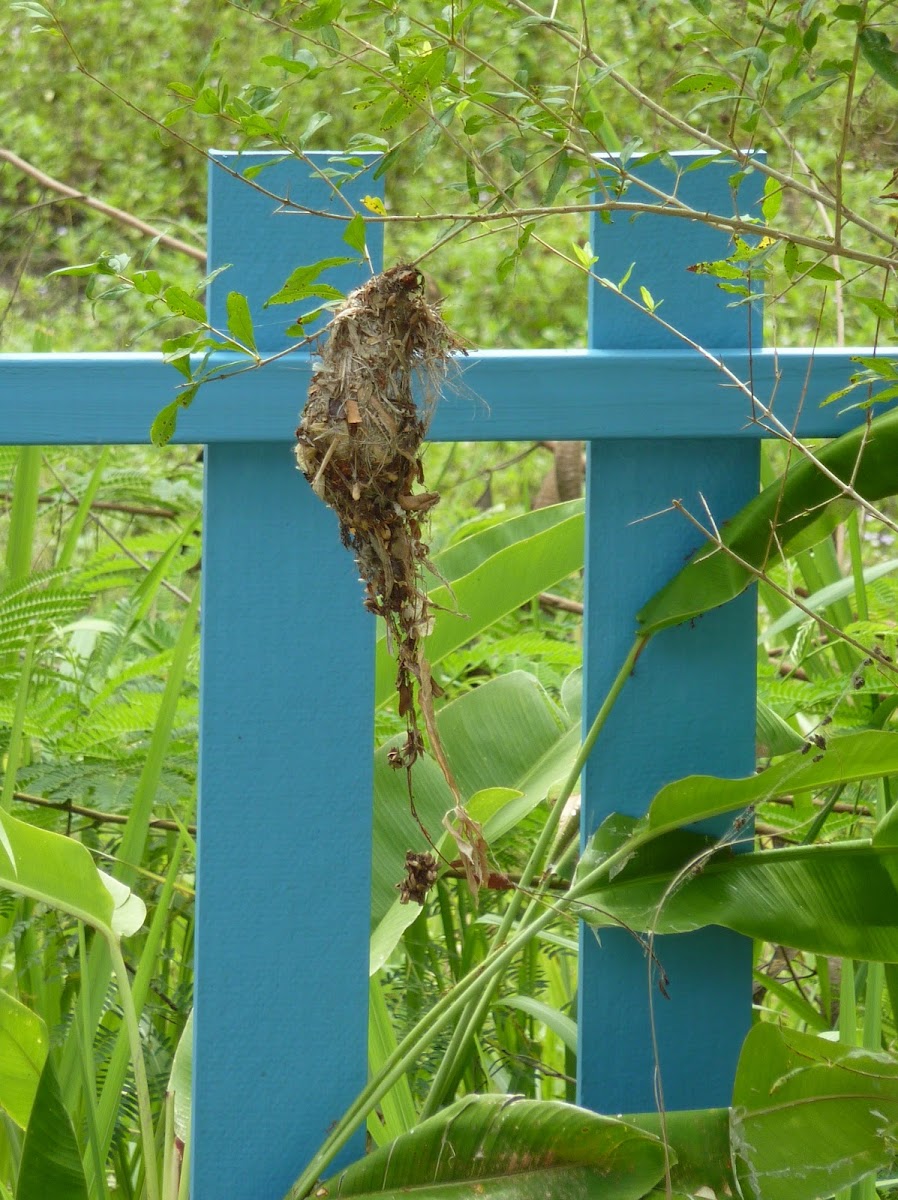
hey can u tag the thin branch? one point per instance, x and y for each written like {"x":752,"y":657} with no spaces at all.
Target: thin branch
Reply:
{"x":100,"y":206}
{"x":132,"y":510}
{"x":95,"y":815}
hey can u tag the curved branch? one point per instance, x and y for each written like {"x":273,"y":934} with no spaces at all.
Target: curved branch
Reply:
{"x":106,"y":210}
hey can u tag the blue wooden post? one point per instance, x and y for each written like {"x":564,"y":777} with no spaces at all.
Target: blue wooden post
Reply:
{"x":690,"y":705}
{"x":286,"y":757}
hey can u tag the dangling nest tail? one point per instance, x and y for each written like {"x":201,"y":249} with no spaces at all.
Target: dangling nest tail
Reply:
{"x":359,"y":446}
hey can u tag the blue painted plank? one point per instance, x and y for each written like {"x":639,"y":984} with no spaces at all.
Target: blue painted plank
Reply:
{"x":689,"y":705}
{"x":284,"y":845}
{"x":525,"y":394}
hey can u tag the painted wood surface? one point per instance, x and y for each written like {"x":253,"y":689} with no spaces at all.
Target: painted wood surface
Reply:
{"x":689,"y":706}
{"x":286,"y":736}
{"x":522,"y":394}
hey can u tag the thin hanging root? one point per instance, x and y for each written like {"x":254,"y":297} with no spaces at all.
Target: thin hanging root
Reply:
{"x":359,"y":446}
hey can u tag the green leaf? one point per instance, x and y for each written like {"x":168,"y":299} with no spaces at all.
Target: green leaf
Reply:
{"x":164,"y":424}
{"x":55,"y":870}
{"x":810,"y":1116}
{"x":180,"y":1082}
{"x":491,"y":574}
{"x":824,"y":271}
{"x":240,"y":321}
{"x":24,"y":1043}
{"x":848,"y":759}
{"x":207,"y":102}
{"x":702,"y":81}
{"x":770,"y":524}
{"x":794,"y":107}
{"x":700,"y":1141}
{"x":51,"y":1163}
{"x":877,"y":50}
{"x":178,"y":301}
{"x":559,"y":174}
{"x":32,"y":9}
{"x":354,"y":234}
{"x":301,"y":283}
{"x":396,"y":1113}
{"x":838,"y":899}
{"x":773,"y":199}
{"x":506,"y":1148}
{"x":319,"y":15}
{"x":98,"y":267}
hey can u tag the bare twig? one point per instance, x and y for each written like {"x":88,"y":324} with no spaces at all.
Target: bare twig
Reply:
{"x":95,"y":815}
{"x":100,"y":206}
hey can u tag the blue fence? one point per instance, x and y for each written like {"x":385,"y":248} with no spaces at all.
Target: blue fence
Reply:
{"x":287,"y":655}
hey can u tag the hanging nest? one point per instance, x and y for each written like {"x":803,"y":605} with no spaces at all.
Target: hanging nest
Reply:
{"x":359,"y":446}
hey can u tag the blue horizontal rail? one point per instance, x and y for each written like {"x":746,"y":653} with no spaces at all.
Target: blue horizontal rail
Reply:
{"x":504,"y":395}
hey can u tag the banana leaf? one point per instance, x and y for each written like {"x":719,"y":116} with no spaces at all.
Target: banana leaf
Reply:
{"x":810,"y":1116}
{"x":839,"y":899}
{"x":507,"y":1148}
{"x":772,"y":524}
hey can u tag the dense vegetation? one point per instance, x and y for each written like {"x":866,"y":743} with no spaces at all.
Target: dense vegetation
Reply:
{"x":486,"y":111}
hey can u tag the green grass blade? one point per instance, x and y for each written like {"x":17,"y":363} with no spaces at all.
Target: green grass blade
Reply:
{"x":82,"y":512}
{"x":23,"y":518}
{"x":397,"y":1108}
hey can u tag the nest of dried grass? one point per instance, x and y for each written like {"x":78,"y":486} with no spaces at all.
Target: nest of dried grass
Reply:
{"x":359,"y":446}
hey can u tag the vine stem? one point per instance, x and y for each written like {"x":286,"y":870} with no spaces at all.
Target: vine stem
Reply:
{"x":475,"y":1012}
{"x":488,"y":972}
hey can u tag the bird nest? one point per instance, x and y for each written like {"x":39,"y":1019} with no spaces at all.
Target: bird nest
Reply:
{"x":359,"y":446}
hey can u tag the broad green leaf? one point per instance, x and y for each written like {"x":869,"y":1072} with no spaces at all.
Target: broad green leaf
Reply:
{"x":24,"y":1042}
{"x":773,"y":199}
{"x":319,"y":15}
{"x":559,"y":174}
{"x":838,"y":899}
{"x":768,"y":525}
{"x":810,"y":1116}
{"x":129,"y":912}
{"x":51,"y":1164}
{"x":702,"y":81}
{"x":774,"y":736}
{"x":700,"y":1141}
{"x":164,"y":424}
{"x":55,"y":870}
{"x":491,"y":576}
{"x":847,"y":759}
{"x":506,"y":1148}
{"x":240,"y":320}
